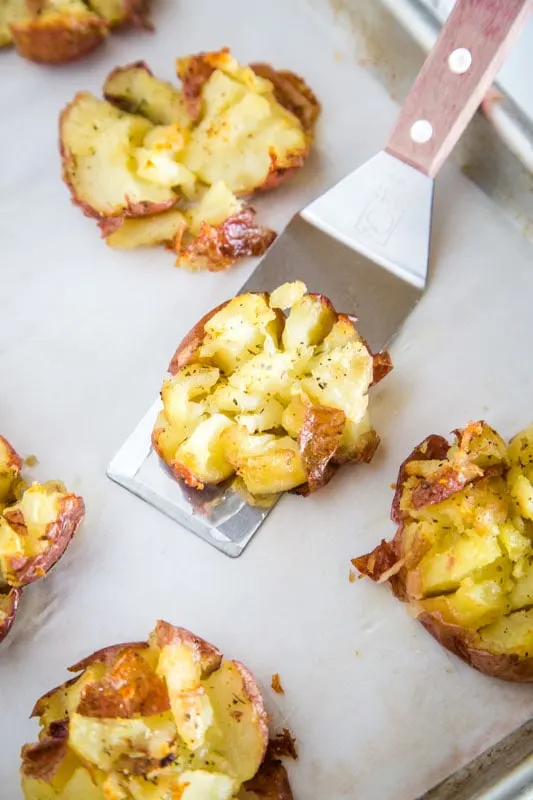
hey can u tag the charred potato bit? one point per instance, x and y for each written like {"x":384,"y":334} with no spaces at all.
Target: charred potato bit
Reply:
{"x":280,"y":402}
{"x":60,"y":31}
{"x":57,"y":31}
{"x":463,"y":553}
{"x":37,"y":523}
{"x":165,"y":156}
{"x":147,"y":719}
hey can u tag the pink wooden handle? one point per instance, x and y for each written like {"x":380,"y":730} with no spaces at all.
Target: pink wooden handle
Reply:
{"x":449,"y":89}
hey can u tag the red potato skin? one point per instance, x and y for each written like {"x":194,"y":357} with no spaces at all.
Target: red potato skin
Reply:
{"x":318,"y":442}
{"x":193,"y":73}
{"x":253,"y":692}
{"x":292,"y":92}
{"x":190,"y":344}
{"x":9,"y":605}
{"x":507,"y":666}
{"x":385,"y":563}
{"x":106,"y":655}
{"x":27,"y":570}
{"x":58,"y":40}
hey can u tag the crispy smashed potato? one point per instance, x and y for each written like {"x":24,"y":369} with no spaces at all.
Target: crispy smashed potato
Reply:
{"x":143,"y":720}
{"x":151,"y":156}
{"x":60,"y":31}
{"x":280,"y":402}
{"x":463,"y":553}
{"x":37,"y":522}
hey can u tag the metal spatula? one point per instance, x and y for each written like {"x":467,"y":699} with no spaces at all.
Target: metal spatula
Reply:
{"x":364,"y":244}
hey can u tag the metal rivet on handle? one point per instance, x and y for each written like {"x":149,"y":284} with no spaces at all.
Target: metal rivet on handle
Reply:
{"x":421,"y":131}
{"x":460,"y":60}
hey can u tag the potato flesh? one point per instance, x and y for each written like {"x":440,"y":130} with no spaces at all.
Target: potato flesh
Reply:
{"x":190,"y":785}
{"x":139,"y":92}
{"x":100,"y":741}
{"x":268,"y":375}
{"x":100,"y":141}
{"x":234,"y":733}
{"x":124,"y":758}
{"x":217,"y":204}
{"x":190,"y":705}
{"x":242,"y":125}
{"x":476,"y":567}
{"x":148,"y":231}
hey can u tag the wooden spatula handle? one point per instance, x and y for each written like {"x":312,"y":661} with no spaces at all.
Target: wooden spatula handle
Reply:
{"x":452,"y":83}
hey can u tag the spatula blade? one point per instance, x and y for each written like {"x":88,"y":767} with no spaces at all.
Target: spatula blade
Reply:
{"x":364,"y":244}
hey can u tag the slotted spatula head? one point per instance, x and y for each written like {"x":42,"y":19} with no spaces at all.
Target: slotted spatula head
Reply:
{"x":364,"y":244}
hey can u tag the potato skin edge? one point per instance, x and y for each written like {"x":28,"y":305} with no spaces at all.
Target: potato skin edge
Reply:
{"x":29,"y":570}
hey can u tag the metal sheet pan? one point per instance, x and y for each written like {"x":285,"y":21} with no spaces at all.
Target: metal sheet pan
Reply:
{"x":378,"y":708}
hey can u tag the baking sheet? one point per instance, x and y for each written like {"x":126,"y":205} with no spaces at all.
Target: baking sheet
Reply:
{"x":378,"y":708}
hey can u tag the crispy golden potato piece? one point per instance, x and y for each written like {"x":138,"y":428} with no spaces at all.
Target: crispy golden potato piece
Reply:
{"x":280,"y":402}
{"x":57,"y":31}
{"x":147,"y":719}
{"x":123,"y":12}
{"x":463,"y":553}
{"x":37,"y":522}
{"x":97,"y":142}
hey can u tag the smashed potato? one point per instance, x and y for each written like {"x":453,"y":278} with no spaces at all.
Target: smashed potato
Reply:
{"x":463,"y":553}
{"x":162,"y":155}
{"x":60,"y":31}
{"x":143,"y":720}
{"x":37,"y":522}
{"x":280,"y":402}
